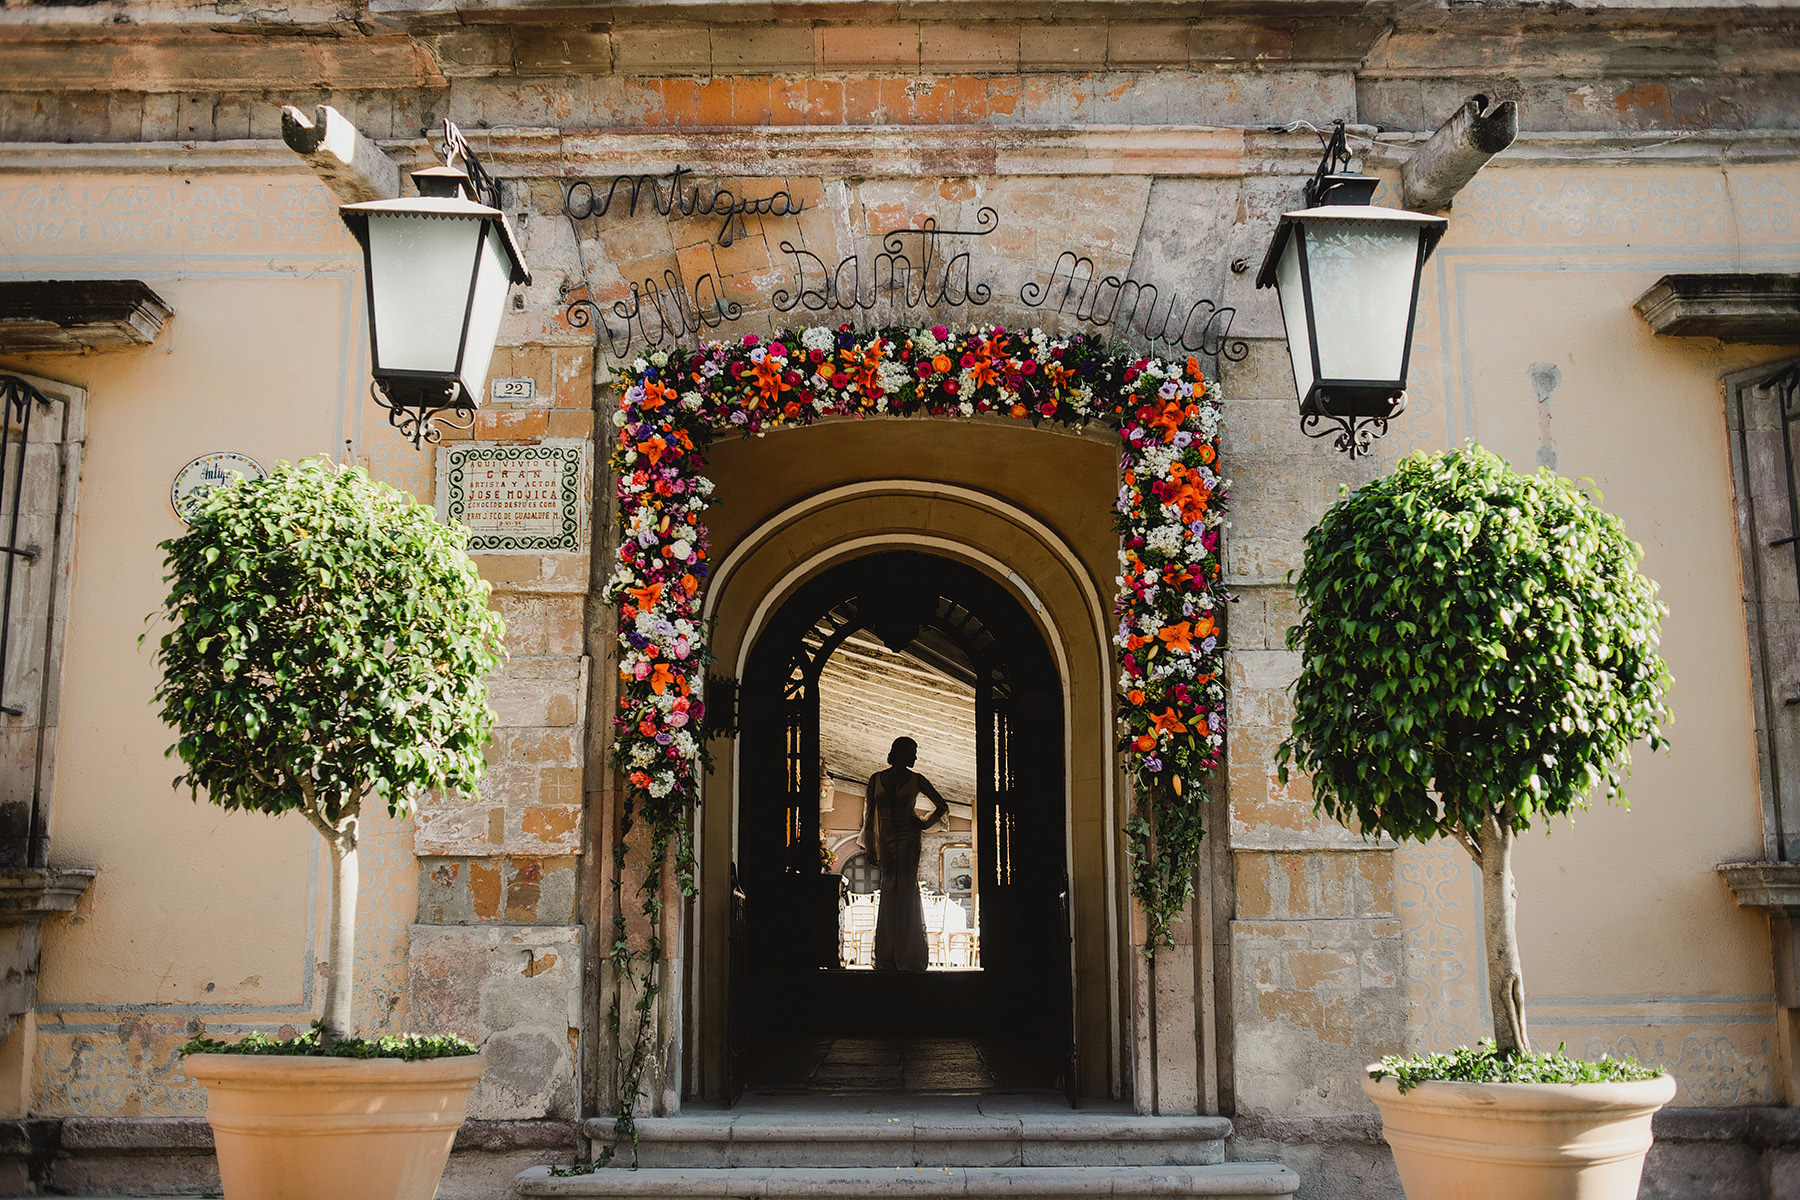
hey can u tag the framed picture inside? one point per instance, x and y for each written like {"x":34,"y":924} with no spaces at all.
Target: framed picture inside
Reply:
{"x":958,"y":863}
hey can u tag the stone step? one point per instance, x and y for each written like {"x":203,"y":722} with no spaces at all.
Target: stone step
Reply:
{"x":1066,"y":1139}
{"x":1226,"y":1181}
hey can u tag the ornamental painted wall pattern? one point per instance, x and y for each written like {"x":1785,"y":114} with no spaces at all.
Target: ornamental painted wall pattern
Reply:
{"x":1437,"y":893}
{"x":148,"y":215}
{"x":1657,"y":202}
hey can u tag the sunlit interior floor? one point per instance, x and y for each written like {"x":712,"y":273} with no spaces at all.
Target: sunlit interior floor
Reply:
{"x":915,"y":1065}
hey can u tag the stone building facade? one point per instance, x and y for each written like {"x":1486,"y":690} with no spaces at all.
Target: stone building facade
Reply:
{"x":141,"y":140}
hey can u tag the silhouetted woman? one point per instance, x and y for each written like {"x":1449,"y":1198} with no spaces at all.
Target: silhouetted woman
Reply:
{"x":890,"y":834}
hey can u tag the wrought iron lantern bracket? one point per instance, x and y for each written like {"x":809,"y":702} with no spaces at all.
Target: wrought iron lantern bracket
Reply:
{"x":423,"y":403}
{"x":1349,"y":362}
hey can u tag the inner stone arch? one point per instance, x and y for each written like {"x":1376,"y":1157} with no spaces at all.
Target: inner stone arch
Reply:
{"x":791,"y":505}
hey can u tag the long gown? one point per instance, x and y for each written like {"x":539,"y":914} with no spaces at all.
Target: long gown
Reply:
{"x":900,"y":921}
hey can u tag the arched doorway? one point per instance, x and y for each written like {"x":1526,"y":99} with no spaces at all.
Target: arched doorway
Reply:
{"x":793,"y":989}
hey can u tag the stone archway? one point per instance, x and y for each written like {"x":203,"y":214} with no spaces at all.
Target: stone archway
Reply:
{"x":1148,"y":518}
{"x":781,"y":533}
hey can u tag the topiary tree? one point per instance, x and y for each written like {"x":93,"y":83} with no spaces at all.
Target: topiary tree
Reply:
{"x":1478,"y":652}
{"x":329,"y":641}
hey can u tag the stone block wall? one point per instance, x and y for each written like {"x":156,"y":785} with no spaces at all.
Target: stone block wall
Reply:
{"x":1316,"y":982}
{"x":497,"y":953}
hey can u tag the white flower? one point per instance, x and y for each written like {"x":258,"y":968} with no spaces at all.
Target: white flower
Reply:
{"x":1165,"y":540}
{"x":639,"y":366}
{"x":660,"y":358}
{"x":818,"y":337}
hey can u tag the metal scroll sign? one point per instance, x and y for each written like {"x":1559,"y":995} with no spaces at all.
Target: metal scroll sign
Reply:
{"x":922,"y":268}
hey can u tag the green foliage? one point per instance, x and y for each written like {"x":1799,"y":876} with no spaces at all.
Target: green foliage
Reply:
{"x":329,"y":639}
{"x":1475,"y":642}
{"x":412,"y":1047}
{"x":1483,"y":1064}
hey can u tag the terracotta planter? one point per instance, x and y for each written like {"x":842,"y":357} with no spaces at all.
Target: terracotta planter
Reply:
{"x":347,"y":1128}
{"x":1519,"y":1141}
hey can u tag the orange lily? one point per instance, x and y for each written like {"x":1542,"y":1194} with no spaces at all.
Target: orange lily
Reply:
{"x":646,"y":597}
{"x":656,"y":394}
{"x":1169,"y":721}
{"x":1178,"y":637}
{"x":769,"y":379}
{"x":660,"y":678}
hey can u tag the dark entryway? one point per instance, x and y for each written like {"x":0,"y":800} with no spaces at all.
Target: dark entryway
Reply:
{"x":799,"y":1019}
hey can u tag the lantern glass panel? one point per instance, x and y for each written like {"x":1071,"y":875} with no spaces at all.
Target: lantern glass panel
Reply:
{"x":419,"y":286}
{"x":1361,"y":275}
{"x":1292,"y":294}
{"x":493,"y":280}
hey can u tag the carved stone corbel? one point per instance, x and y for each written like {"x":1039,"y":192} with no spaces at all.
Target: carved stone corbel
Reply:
{"x":27,"y":896}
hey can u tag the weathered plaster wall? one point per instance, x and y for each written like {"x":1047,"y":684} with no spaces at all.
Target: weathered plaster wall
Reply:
{"x":222,"y":928}
{"x":1529,"y":344}
{"x":198,"y":915}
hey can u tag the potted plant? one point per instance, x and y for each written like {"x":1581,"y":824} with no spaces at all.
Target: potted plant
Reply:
{"x":329,"y":642}
{"x":1478,"y":654}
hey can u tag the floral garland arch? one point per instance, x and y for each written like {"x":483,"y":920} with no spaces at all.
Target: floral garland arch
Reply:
{"x":1171,"y":699}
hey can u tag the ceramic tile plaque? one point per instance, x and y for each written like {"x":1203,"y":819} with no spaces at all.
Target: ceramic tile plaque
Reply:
{"x":513,"y":497}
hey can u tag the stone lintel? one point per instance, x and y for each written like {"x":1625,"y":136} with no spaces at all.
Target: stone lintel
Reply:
{"x":63,"y":315}
{"x":1761,"y":308}
{"x":28,"y":893}
{"x":1774,"y":886}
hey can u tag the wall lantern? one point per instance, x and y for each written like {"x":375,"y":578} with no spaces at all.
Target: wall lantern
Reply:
{"x":439,"y":267}
{"x":1347,"y":276}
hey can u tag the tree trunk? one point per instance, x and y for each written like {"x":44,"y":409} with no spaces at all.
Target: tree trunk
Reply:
{"x":340,"y":952}
{"x":1499,"y":913}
